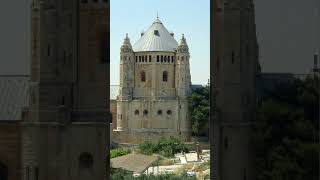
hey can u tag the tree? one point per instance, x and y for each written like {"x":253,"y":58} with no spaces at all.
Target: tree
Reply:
{"x":286,"y":132}
{"x":199,"y":111}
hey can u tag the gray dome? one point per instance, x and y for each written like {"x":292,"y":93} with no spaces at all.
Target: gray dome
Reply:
{"x":156,"y":38}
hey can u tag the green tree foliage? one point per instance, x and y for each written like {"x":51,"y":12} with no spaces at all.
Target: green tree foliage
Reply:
{"x":199,"y":111}
{"x":165,"y":146}
{"x":118,"y":152}
{"x":286,"y":132}
{"x":120,"y":174}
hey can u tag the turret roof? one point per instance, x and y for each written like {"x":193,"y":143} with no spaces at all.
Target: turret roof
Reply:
{"x":156,"y":38}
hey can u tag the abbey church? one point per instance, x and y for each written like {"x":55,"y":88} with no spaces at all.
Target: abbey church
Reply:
{"x":155,"y":84}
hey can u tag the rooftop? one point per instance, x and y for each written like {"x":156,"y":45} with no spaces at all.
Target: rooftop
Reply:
{"x":156,"y":38}
{"x":13,"y":96}
{"x":133,"y":162}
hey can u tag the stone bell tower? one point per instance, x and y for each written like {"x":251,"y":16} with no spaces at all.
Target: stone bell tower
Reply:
{"x":65,"y":133}
{"x":235,"y":67}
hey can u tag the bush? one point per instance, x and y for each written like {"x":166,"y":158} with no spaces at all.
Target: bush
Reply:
{"x":165,"y":146}
{"x":118,"y":152}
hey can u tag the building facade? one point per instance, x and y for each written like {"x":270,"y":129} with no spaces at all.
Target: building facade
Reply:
{"x":154,"y":87}
{"x":65,"y":127}
{"x":235,"y":66}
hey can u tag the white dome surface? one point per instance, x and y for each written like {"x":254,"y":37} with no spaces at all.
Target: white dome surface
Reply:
{"x":156,"y":38}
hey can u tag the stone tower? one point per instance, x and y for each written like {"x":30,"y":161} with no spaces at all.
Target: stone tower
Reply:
{"x":65,"y":134}
{"x":235,"y":67}
{"x":154,"y":86}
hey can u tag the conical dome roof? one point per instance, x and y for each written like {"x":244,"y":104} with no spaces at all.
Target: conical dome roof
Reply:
{"x":156,"y":38}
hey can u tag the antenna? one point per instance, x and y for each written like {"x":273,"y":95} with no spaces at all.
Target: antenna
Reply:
{"x":157,"y":15}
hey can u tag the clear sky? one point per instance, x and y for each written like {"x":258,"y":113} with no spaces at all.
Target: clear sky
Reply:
{"x":188,"y":17}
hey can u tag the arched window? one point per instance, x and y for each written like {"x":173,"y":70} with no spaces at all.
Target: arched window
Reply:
{"x":143,"y":76}
{"x":142,"y":58}
{"x":139,"y":58}
{"x":182,"y":58}
{"x":157,"y":58}
{"x":218,"y":63}
{"x":136,"y":112}
{"x":159,"y":112}
{"x":85,"y":160}
{"x":232,"y":57}
{"x":226,"y":143}
{"x":145,"y":112}
{"x":149,"y":58}
{"x":169,"y":112}
{"x":165,"y":76}
{"x":3,"y":171}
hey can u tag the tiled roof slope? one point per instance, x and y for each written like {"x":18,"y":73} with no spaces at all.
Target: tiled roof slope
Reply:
{"x":13,"y":96}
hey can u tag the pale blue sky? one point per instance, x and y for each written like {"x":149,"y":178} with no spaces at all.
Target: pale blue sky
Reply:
{"x":188,"y":17}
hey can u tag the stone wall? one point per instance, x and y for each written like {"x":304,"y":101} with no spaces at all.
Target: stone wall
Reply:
{"x":10,"y":149}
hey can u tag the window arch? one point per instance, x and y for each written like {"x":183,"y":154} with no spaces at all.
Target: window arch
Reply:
{"x":136,"y":112}
{"x":85,"y":160}
{"x":143,"y":76}
{"x":165,"y":76}
{"x":145,"y":112}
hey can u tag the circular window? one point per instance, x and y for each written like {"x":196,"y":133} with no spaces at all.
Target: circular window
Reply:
{"x":85,"y":160}
{"x":136,"y":112}
{"x":159,"y":112}
{"x":169,"y":112}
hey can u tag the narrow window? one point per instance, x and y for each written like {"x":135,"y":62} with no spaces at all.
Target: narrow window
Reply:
{"x":63,"y":100}
{"x":142,"y":58}
{"x":168,"y":58}
{"x":165,"y":76}
{"x":247,"y":50}
{"x":120,"y":116}
{"x":182,"y":58}
{"x":149,"y":58}
{"x":139,"y":58}
{"x":136,"y":58}
{"x":226,"y":143}
{"x":172,"y":58}
{"x":161,"y":58}
{"x":49,"y":50}
{"x":146,"y":58}
{"x":136,"y":112}
{"x":143,"y":76}
{"x":157,"y":58}
{"x":27,"y":173}
{"x":218,"y":63}
{"x":70,"y":21}
{"x":165,"y":58}
{"x":36,"y":173}
{"x":232,"y":57}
